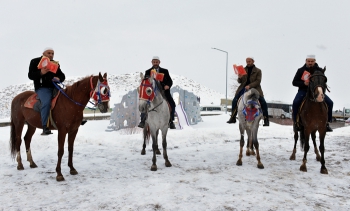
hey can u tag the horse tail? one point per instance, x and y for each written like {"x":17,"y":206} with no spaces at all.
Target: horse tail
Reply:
{"x":13,"y":139}
{"x":146,"y":133}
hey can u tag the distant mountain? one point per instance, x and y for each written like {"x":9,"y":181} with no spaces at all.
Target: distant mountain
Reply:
{"x":120,"y":85}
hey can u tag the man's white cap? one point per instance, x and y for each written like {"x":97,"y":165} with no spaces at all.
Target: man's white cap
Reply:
{"x":48,"y":49}
{"x":311,"y":56}
{"x":250,"y":57}
{"x":155,"y":57}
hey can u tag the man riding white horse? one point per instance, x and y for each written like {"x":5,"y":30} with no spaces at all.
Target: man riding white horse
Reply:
{"x":166,"y":84}
{"x":250,"y":80}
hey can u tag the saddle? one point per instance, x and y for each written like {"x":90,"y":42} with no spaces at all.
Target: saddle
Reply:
{"x":33,"y":102}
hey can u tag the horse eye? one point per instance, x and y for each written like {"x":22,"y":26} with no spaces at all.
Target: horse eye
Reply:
{"x":103,"y":90}
{"x":149,"y":91}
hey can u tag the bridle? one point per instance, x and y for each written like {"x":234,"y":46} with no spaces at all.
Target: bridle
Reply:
{"x":318,"y":79}
{"x":95,"y":93}
{"x":148,"y":92}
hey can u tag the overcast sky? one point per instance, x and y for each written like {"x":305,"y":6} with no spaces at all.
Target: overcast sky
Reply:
{"x":119,"y":37}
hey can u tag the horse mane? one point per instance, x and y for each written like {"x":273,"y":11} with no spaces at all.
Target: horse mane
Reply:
{"x":253,"y":94}
{"x":75,"y":85}
{"x":160,"y":88}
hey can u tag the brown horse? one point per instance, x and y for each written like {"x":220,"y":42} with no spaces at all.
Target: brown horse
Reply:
{"x":67,"y":115}
{"x":313,"y":118}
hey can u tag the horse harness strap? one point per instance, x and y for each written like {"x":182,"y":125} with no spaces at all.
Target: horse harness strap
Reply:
{"x":154,"y":109}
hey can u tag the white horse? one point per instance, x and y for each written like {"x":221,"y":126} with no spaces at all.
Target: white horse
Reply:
{"x":249,"y":116}
{"x":153,"y":102}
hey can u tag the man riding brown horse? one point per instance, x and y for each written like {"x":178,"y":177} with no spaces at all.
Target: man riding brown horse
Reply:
{"x":43,"y":85}
{"x":310,"y":66}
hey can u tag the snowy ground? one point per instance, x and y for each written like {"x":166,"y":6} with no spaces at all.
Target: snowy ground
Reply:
{"x":113,"y":175}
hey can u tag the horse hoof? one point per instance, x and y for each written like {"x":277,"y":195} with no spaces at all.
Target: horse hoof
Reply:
{"x":247,"y":154}
{"x":167,"y":164}
{"x":303,"y":168}
{"x":239,"y":163}
{"x":59,"y":178}
{"x":33,"y":165}
{"x":154,"y":168}
{"x":143,"y":152}
{"x":20,"y":167}
{"x":260,"y":166}
{"x":292,"y":157}
{"x":158,"y":152}
{"x":73,"y":172}
{"x":324,"y":171}
{"x":252,"y":153}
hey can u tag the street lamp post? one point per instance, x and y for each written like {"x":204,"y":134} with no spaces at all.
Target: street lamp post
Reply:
{"x":226,"y":72}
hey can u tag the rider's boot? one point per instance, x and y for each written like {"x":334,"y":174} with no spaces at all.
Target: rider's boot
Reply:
{"x":46,"y":131}
{"x":296,"y":127}
{"x":329,"y":129}
{"x":172,"y":125}
{"x":233,"y":117}
{"x":266,"y":121}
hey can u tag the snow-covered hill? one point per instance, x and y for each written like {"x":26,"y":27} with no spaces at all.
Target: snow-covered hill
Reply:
{"x":120,"y":85}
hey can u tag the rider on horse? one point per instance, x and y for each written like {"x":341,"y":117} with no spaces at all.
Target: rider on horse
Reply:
{"x":250,"y":80}
{"x":43,"y":85}
{"x":310,"y":66}
{"x":166,"y":84}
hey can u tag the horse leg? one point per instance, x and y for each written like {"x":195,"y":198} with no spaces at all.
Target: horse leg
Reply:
{"x":249,"y":143}
{"x":292,"y":157}
{"x":145,"y":132}
{"x":27,"y":139}
{"x":164,"y":144}
{"x":16,"y":141}
{"x":323,"y":167}
{"x":71,"y":139}
{"x":154,"y":147}
{"x":256,"y":145}
{"x":306,"y":149}
{"x":158,"y":151}
{"x":61,"y":140}
{"x":313,"y":137}
{"x":239,"y":161}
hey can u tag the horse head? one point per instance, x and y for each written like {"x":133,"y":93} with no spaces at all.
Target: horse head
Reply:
{"x":317,"y":86}
{"x":147,"y":92}
{"x":101,"y":93}
{"x":251,"y":108}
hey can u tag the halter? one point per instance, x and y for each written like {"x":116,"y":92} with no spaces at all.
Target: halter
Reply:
{"x":94,"y":93}
{"x":101,"y":93}
{"x":251,"y":109}
{"x":148,"y":92}
{"x":318,"y":79}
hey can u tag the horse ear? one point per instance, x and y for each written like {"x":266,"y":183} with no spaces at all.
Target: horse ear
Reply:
{"x":100,"y":76}
{"x":105,"y":75}
{"x":324,"y":69}
{"x":141,"y":75}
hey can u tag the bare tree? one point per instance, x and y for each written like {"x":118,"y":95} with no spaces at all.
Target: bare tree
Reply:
{"x":234,"y":84}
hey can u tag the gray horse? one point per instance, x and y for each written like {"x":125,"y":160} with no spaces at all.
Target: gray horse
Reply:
{"x":249,"y":115}
{"x":153,"y":102}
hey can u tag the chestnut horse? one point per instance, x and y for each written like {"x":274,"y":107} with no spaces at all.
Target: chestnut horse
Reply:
{"x":313,"y":118}
{"x":67,"y":115}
